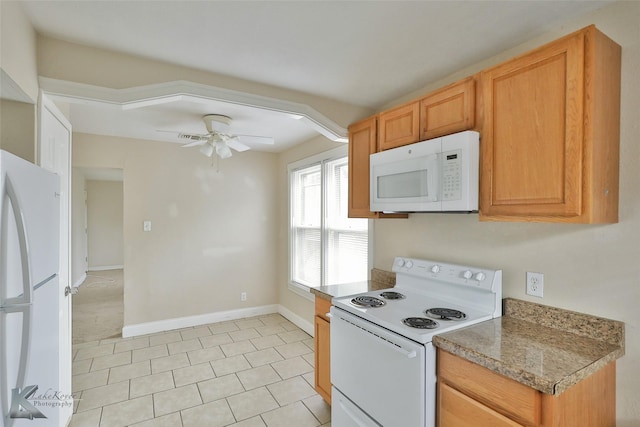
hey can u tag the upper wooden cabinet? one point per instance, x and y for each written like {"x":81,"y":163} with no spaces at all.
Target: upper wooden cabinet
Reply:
{"x":551,"y":131}
{"x":399,"y":126}
{"x":445,"y":111}
{"x":362,"y":143}
{"x":449,"y":110}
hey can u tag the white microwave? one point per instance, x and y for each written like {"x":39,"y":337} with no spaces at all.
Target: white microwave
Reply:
{"x":437,"y":175}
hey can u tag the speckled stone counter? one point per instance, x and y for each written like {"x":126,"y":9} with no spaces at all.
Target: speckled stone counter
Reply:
{"x":380,"y":279}
{"x":546,"y":348}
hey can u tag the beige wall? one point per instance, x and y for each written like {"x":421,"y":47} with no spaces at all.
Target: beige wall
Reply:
{"x":213,"y":233}
{"x":587,"y":268}
{"x":18,"y":57}
{"x":105,"y":224}
{"x":17,"y":128}
{"x":19,"y":79}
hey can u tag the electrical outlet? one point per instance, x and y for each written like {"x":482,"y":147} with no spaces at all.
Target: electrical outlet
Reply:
{"x":243,"y":296}
{"x":535,"y":284}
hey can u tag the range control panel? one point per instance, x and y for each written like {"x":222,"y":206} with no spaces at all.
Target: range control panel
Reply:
{"x":463,"y":275}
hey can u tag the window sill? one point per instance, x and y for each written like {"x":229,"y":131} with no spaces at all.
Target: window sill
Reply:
{"x":301,"y":290}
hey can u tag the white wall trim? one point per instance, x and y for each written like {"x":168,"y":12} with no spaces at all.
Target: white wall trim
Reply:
{"x":80,"y":280}
{"x":201,"y":319}
{"x":182,"y":90}
{"x":296,"y":320}
{"x":106,"y":267}
{"x":220,"y":316}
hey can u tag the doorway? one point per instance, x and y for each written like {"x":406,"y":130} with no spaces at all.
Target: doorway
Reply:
{"x":98,"y":308}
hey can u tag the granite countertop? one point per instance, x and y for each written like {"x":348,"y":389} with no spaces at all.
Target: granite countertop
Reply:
{"x":546,"y":348}
{"x":380,"y":279}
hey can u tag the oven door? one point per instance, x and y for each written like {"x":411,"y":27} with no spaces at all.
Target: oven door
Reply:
{"x":382,"y":373}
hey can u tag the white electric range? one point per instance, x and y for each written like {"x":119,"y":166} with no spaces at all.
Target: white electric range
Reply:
{"x":383,"y":367}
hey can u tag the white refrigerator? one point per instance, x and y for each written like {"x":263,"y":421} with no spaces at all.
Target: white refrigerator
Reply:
{"x":30,"y":392}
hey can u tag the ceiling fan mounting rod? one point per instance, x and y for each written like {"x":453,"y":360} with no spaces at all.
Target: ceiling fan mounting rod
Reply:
{"x":220,"y":118}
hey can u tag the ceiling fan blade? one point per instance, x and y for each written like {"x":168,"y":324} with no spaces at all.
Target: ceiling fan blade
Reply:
{"x":194,"y":139}
{"x":237,"y":145}
{"x":248,"y":139}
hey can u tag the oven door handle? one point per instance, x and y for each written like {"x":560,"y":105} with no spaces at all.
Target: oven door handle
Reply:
{"x":409,"y":354}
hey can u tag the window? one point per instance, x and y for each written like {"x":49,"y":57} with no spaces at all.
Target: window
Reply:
{"x":326,"y":246}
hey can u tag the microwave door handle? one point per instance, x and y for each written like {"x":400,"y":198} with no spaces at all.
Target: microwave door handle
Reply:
{"x":10,"y":193}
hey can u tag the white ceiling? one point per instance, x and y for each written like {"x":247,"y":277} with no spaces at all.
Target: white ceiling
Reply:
{"x":364,"y":53}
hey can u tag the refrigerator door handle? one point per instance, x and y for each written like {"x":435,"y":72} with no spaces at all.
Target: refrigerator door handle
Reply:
{"x":10,"y":192}
{"x":25,"y":309}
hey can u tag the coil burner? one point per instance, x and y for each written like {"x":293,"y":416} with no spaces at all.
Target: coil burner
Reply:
{"x":446,"y":314}
{"x":367,"y":301}
{"x":420,"y":322}
{"x":392,"y":295}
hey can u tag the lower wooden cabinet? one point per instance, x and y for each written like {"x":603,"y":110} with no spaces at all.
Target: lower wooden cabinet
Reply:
{"x":322,"y":349}
{"x":459,"y":410}
{"x":471,"y":395}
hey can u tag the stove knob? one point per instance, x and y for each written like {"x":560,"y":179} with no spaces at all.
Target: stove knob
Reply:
{"x":400,"y":262}
{"x":435,"y":269}
{"x":408,"y":264}
{"x":480,"y":276}
{"x":467,"y":274}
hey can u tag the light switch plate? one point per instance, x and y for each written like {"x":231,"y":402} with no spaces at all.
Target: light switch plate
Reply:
{"x":146,"y":226}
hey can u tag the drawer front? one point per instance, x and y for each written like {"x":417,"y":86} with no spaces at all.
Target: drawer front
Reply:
{"x":502,"y":394}
{"x":322,"y":307}
{"x":459,"y":410}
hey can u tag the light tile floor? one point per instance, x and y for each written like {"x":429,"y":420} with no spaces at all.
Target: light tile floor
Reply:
{"x":255,"y":372}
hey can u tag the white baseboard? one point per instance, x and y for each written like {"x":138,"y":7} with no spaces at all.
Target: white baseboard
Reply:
{"x":106,"y":267}
{"x":80,"y":280}
{"x":190,"y":321}
{"x":220,"y":316}
{"x":296,"y":320}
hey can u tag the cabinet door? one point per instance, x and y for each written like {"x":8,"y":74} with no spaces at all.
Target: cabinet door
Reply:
{"x":362,"y":143}
{"x":459,"y":410}
{"x":322,"y":358}
{"x":506,"y":396}
{"x":399,"y":126}
{"x":449,"y":110}
{"x":532,"y":143}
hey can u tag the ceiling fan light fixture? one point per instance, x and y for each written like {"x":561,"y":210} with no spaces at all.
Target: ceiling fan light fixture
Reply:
{"x":207,"y":150}
{"x":223,"y":150}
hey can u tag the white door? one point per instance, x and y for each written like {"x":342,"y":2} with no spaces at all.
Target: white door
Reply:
{"x":55,"y":155}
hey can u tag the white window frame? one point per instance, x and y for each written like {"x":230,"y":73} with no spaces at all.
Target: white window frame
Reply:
{"x":336,"y":153}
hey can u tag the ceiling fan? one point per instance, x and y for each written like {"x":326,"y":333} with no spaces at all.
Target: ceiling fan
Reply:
{"x":219,"y":139}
